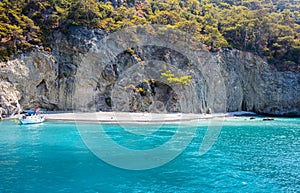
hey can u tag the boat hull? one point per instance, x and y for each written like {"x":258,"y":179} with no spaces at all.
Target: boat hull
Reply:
{"x":32,"y":119}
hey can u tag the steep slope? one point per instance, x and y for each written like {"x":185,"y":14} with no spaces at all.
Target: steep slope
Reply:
{"x":269,"y":28}
{"x":90,"y":70}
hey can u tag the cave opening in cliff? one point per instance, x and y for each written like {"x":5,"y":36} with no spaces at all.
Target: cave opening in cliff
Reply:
{"x":153,"y":96}
{"x":137,"y":85}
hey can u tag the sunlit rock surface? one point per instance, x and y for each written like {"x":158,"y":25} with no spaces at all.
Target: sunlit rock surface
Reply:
{"x":86,"y":71}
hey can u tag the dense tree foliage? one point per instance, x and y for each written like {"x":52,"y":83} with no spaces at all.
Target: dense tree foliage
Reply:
{"x":270,"y":28}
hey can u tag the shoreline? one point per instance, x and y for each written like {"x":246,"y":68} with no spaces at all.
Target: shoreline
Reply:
{"x":130,"y":117}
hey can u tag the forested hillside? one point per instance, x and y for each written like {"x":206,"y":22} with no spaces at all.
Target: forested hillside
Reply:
{"x":269,"y":28}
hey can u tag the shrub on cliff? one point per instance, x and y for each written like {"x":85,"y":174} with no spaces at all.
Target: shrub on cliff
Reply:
{"x":268,"y":28}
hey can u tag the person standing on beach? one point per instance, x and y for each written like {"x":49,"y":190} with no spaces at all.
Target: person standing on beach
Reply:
{"x":37,"y":110}
{"x":18,"y":108}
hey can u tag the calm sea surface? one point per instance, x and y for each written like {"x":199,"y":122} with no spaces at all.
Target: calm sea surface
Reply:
{"x":248,"y":156}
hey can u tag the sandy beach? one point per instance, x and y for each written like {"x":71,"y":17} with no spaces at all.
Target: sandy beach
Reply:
{"x":113,"y":117}
{"x":126,"y":117}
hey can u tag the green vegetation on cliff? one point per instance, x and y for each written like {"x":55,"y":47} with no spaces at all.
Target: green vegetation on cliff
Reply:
{"x":270,"y":28}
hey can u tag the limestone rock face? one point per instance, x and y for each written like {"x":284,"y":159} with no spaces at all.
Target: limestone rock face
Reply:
{"x":8,"y":98}
{"x":254,"y":85}
{"x":88,"y":70}
{"x":30,"y":80}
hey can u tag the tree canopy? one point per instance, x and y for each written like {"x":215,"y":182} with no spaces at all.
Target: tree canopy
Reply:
{"x":269,"y":28}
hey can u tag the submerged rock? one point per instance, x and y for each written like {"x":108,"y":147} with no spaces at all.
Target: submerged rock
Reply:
{"x":268,"y":119}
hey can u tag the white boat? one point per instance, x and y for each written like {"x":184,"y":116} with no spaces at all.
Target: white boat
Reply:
{"x":31,"y":119}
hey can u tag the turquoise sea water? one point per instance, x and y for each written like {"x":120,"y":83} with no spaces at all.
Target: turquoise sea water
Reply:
{"x":249,"y":156}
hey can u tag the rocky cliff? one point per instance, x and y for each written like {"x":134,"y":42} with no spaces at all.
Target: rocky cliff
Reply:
{"x":90,"y":70}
